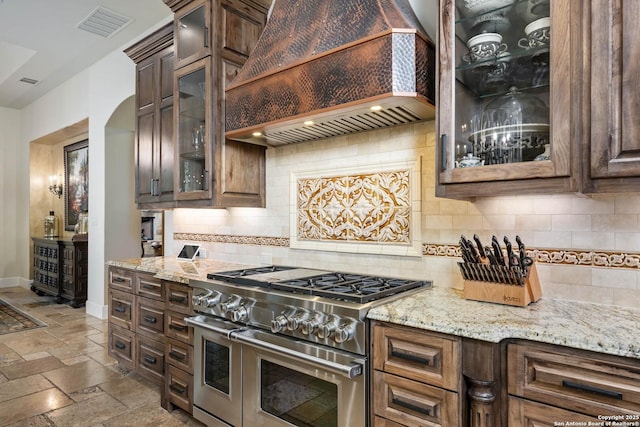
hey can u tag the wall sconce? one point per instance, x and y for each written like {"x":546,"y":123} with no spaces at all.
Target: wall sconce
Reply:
{"x":54,"y":187}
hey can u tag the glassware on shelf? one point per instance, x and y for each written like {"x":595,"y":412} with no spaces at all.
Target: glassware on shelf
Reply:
{"x":198,"y":138}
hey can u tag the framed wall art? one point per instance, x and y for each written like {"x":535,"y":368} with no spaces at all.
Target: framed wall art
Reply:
{"x":76,"y":178}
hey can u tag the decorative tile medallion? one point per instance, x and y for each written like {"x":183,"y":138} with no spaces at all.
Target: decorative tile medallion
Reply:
{"x":368,"y":209}
{"x":372,"y":207}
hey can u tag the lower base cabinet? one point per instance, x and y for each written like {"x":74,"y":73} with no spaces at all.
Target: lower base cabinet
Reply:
{"x":148,"y":334}
{"x":422,"y":378}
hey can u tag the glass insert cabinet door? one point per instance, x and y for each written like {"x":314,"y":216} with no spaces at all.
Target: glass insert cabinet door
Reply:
{"x":193,"y":131}
{"x":500,"y":63}
{"x":192,"y":33}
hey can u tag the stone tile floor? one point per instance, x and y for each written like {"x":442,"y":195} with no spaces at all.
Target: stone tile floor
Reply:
{"x":61,"y":375}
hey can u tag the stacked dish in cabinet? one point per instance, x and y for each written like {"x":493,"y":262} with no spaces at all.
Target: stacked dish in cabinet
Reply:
{"x":502,"y":81}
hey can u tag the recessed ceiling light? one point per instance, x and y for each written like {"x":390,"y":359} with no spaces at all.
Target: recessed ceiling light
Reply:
{"x":376,"y":108}
{"x":256,"y":134}
{"x":308,"y":122}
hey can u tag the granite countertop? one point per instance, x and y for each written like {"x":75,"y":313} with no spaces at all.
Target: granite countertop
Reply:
{"x":601,"y":328}
{"x":170,"y":268}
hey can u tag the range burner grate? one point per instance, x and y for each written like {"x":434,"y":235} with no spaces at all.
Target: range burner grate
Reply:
{"x":338,"y":286}
{"x":347,"y":287}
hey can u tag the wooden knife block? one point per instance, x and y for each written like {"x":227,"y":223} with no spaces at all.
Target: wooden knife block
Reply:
{"x":501,"y":293}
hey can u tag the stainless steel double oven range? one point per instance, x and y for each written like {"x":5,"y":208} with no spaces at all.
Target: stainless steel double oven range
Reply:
{"x":284,"y":346}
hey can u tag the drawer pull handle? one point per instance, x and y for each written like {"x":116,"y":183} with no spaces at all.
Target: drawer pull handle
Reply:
{"x":150,"y":319}
{"x":120,"y":346}
{"x":178,"y":299}
{"x":177,"y":327}
{"x":120,"y":309}
{"x":411,"y":406}
{"x":177,"y":389}
{"x":148,"y":287}
{"x":592,"y":389}
{"x":412,"y":358}
{"x":118,"y":279}
{"x":150,"y":359}
{"x":176,"y":355}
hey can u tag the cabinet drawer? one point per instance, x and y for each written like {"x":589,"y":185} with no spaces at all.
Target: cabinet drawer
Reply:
{"x":150,"y":358}
{"x":528,"y":413}
{"x":177,"y":328}
{"x":121,"y":309}
{"x":179,"y":388}
{"x":418,"y":355}
{"x":412,"y":403}
{"x":381,"y":422}
{"x":149,"y":287}
{"x":179,"y":355}
{"x":122,"y":345}
{"x":150,"y":318}
{"x":580,"y":381}
{"x":179,"y":298}
{"x":121,"y":279}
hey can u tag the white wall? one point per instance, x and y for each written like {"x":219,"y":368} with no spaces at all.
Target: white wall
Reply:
{"x":13,"y":198}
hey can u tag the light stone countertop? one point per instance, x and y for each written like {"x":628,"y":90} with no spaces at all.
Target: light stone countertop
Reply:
{"x":170,"y":268}
{"x":601,"y":328}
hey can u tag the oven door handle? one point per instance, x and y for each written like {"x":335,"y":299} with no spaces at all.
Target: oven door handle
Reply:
{"x":349,"y":366}
{"x":221,"y":327}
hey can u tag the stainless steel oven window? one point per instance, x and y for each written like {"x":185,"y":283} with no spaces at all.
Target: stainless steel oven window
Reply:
{"x":296,"y":397}
{"x":216,"y":366}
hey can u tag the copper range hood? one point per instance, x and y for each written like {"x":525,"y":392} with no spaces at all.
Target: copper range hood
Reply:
{"x":324,"y":68}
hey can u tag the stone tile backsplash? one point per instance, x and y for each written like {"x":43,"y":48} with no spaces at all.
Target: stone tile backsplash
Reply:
{"x":606,"y":223}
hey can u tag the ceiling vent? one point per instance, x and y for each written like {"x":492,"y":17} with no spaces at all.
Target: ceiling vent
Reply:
{"x":28,"y":80}
{"x":104,"y":22}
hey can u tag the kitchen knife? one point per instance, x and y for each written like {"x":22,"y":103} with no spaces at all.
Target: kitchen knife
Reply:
{"x":510,"y":253}
{"x":525,"y":261}
{"x":470,"y":248}
{"x":497,"y":251}
{"x":490,"y":255}
{"x":480,"y":247}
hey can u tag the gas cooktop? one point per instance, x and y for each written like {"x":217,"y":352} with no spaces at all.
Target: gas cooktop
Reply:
{"x":334,"y":285}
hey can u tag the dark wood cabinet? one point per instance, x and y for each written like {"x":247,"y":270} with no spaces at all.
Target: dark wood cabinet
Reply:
{"x":148,"y":334}
{"x":154,"y":146}
{"x":614,"y":148}
{"x":417,"y":377}
{"x":210,"y":170}
{"x":60,"y":268}
{"x":544,"y":82}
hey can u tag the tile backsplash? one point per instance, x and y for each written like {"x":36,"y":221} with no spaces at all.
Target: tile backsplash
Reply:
{"x":603,"y":227}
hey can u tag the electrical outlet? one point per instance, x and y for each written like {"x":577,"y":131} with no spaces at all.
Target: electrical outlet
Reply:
{"x":202,"y":253}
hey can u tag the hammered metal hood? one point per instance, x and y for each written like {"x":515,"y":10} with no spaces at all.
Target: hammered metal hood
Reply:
{"x":329,"y":62}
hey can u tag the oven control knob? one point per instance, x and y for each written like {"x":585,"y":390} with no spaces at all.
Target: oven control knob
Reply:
{"x":308,"y":327}
{"x":343,"y":333}
{"x":237,"y":315}
{"x":295,"y":322}
{"x":325,"y":330}
{"x":278,"y":324}
{"x":212,"y":300}
{"x":230,"y":304}
{"x":197,"y":299}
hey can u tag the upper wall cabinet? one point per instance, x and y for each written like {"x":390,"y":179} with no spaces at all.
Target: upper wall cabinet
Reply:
{"x":510,"y":78}
{"x":154,"y":148}
{"x":615,"y":93}
{"x":213,"y":39}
